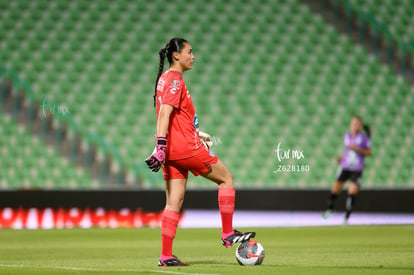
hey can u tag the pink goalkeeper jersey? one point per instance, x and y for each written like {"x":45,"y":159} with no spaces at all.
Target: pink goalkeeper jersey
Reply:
{"x":182,"y":136}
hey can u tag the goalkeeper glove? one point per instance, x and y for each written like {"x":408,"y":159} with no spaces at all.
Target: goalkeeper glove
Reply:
{"x":205,"y":139}
{"x":157,"y":158}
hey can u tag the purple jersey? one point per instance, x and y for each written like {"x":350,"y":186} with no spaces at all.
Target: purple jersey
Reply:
{"x":352,"y":160}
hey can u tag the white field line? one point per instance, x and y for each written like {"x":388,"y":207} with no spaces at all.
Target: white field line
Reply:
{"x":73,"y":268}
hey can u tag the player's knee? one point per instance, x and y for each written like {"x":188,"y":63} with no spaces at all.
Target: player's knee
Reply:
{"x":227,"y":179}
{"x":353,"y":188}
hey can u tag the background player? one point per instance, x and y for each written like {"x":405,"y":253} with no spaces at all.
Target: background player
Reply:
{"x":179,"y":149}
{"x":357,"y":147}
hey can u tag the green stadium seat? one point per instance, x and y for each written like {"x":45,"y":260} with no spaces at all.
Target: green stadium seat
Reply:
{"x":299,"y":84}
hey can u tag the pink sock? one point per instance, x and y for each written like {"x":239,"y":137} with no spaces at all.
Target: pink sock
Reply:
{"x":169,"y":223}
{"x":226,"y":199}
{"x":163,"y":257}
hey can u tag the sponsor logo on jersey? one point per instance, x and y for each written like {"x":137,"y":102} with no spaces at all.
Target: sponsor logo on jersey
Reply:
{"x":161,"y":84}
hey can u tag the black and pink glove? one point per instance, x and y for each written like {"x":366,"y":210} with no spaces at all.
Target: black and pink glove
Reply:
{"x":157,"y":159}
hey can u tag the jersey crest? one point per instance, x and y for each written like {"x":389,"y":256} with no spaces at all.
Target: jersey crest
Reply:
{"x":175,"y":85}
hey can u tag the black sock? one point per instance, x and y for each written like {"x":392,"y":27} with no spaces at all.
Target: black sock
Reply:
{"x":331,"y":201}
{"x":350,"y":203}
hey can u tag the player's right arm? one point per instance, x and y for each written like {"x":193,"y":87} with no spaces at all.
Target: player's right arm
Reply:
{"x":164,"y":119}
{"x":170,"y":99}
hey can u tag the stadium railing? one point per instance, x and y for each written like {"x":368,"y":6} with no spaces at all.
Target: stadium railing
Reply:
{"x":107,"y":155}
{"x":369,"y":27}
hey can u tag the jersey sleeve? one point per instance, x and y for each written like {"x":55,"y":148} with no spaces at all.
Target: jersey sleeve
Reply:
{"x":172,"y":93}
{"x":367,"y":143}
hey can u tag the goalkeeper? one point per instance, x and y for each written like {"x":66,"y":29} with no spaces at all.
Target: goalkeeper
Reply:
{"x":180,"y":149}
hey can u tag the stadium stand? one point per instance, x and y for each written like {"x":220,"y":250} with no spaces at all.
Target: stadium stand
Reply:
{"x":28,"y":163}
{"x":397,"y":16}
{"x":285,"y":77}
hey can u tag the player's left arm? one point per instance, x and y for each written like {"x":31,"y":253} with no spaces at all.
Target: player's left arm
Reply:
{"x":365,"y":152}
{"x":205,"y":139}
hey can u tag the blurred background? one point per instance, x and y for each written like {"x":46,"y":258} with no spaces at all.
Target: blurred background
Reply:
{"x":77,"y":79}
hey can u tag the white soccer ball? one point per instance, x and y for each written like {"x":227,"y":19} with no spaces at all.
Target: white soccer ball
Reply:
{"x":250,"y":253}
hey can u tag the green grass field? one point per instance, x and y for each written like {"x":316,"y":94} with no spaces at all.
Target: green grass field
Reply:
{"x":306,"y":250}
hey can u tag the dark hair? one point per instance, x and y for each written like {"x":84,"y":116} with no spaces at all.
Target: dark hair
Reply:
{"x":174,"y":45}
{"x":367,"y":129}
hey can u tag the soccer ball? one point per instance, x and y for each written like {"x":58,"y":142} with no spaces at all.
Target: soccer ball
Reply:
{"x":250,"y":253}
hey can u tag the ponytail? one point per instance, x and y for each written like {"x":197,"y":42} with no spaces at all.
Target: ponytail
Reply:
{"x":174,"y":45}
{"x":367,"y":129}
{"x":162,"y":53}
